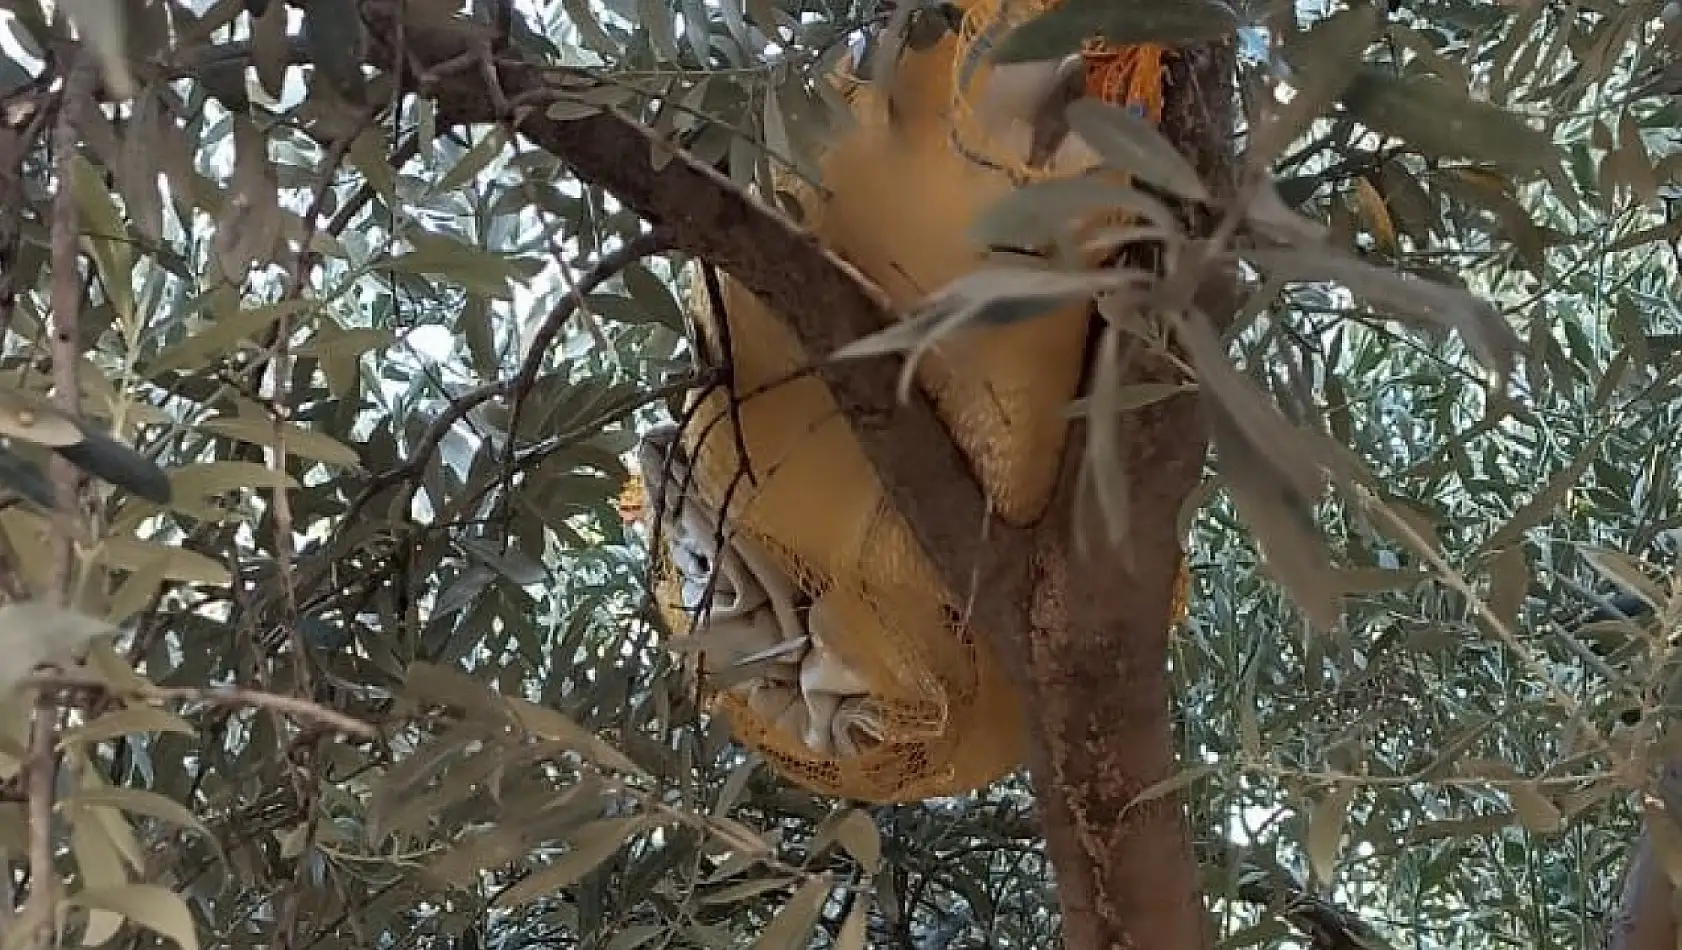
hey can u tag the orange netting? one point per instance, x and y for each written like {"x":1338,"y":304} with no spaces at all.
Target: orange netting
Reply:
{"x":1130,"y":75}
{"x":868,"y":681}
{"x":1123,"y":75}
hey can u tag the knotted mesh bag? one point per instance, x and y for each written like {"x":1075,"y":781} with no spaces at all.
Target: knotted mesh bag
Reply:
{"x":835,"y":651}
{"x":1123,"y":75}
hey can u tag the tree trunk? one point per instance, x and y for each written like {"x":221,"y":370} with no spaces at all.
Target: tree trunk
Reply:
{"x":1644,"y":920}
{"x":1646,"y":916}
{"x":1094,"y":663}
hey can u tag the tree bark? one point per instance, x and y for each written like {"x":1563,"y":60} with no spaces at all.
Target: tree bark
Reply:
{"x":1646,"y":916}
{"x":1094,"y":665}
{"x":1098,"y":689}
{"x":1644,"y":920}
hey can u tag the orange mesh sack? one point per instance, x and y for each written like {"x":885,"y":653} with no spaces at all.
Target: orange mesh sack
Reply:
{"x":814,"y":620}
{"x":849,"y":682}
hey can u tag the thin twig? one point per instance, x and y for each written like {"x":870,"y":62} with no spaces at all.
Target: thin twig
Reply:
{"x":609,"y":264}
{"x":727,"y":363}
{"x":39,"y":911}
{"x":280,"y":375}
{"x":305,"y":784}
{"x":234,"y":697}
{"x":66,"y":304}
{"x":647,"y":244}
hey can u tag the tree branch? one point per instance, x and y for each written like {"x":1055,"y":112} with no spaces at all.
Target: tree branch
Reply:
{"x":606,"y":267}
{"x":1326,"y":925}
{"x":1093,"y":669}
{"x":827,"y":302}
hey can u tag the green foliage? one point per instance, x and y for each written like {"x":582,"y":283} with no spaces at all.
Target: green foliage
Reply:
{"x":384,"y":669}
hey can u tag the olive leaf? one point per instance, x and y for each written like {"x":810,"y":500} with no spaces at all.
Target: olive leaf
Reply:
{"x":102,"y":25}
{"x":1492,"y":340}
{"x":25,"y":478}
{"x":118,"y":463}
{"x":26,"y":417}
{"x":1325,"y":831}
{"x":1129,"y":142}
{"x":1272,"y":469}
{"x":1322,"y":60}
{"x":1037,"y":215}
{"x":1441,"y":120}
{"x":34,"y":632}
{"x":793,"y":925}
{"x":993,"y":296}
{"x":1063,"y":29}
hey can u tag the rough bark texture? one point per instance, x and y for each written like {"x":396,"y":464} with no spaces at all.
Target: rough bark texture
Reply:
{"x":1099,"y":694}
{"x":1093,"y":656}
{"x":1644,"y":920}
{"x":1097,"y":659}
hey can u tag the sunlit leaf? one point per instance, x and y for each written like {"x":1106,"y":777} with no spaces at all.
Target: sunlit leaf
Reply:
{"x":1130,"y":143}
{"x":34,"y":632}
{"x":299,"y":441}
{"x":855,"y":929}
{"x":859,"y":835}
{"x":743,"y":891}
{"x":156,"y":908}
{"x":108,"y":234}
{"x":129,"y":720}
{"x":178,"y":564}
{"x":476,"y":852}
{"x":1325,"y":831}
{"x":1534,"y":809}
{"x":587,"y":849}
{"x":210,"y":479}
{"x":24,"y":416}
{"x":792,"y":927}
{"x":102,"y":868}
{"x":140,"y":802}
